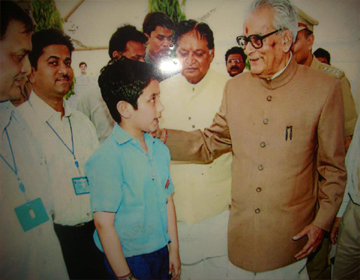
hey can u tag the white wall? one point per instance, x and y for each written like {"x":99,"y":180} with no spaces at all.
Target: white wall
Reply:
{"x":95,"y":20}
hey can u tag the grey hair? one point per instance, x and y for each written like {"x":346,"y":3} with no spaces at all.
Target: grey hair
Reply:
{"x":285,"y":14}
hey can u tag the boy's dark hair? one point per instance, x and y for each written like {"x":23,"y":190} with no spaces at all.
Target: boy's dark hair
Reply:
{"x":320,"y":52}
{"x":201,"y":28}
{"x":152,"y":20}
{"x":82,"y":63}
{"x":236,"y":50}
{"x":11,"y":11}
{"x":123,"y":35}
{"x":124,"y":80}
{"x":44,"y":38}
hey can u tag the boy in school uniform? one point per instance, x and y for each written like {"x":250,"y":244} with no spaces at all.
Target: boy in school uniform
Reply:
{"x":130,"y":185}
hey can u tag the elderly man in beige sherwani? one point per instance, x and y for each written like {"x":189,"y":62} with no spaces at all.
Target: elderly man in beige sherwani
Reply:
{"x":283,"y":123}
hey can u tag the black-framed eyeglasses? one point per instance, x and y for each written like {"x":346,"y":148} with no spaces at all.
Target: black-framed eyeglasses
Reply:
{"x":255,"y":40}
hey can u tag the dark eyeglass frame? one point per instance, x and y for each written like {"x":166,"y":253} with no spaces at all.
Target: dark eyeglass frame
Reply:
{"x":243,"y":40}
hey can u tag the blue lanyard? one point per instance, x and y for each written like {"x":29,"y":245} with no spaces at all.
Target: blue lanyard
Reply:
{"x":72,"y":151}
{"x":13,"y":168}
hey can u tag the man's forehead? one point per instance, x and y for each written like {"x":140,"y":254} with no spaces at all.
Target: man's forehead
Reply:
{"x":161,"y":30}
{"x":56,"y":51}
{"x":259,"y":21}
{"x":15,"y":32}
{"x":135,"y":47}
{"x":234,"y":55}
{"x":188,"y":39}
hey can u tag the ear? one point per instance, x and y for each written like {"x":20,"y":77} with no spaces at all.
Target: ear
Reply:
{"x":212,"y":54}
{"x":310,"y":41}
{"x":31,"y":77}
{"x":148,"y":38}
{"x":125,"y":109}
{"x":116,"y":54}
{"x":287,"y":40}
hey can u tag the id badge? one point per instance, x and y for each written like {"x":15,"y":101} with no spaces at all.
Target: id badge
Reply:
{"x":31,"y":214}
{"x":81,"y":185}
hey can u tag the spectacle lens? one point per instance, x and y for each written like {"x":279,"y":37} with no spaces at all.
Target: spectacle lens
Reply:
{"x":255,"y":40}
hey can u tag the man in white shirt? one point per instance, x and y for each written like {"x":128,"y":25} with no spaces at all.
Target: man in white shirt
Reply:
{"x":29,"y":248}
{"x":68,"y":139}
{"x":202,"y":194}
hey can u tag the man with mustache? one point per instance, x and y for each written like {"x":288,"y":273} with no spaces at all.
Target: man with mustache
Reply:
{"x":29,"y":248}
{"x":202,"y":194}
{"x":68,"y":139}
{"x":158,"y":28}
{"x":235,"y":60}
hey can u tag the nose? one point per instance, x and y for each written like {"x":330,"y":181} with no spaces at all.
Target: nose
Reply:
{"x":167,"y":42}
{"x":62,"y":68}
{"x":159,"y":106}
{"x":190,"y":59}
{"x":26,"y":67}
{"x":249,"y":48}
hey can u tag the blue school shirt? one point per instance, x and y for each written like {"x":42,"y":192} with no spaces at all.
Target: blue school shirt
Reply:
{"x":126,"y":180}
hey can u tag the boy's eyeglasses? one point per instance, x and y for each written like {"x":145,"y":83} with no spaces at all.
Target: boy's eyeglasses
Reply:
{"x":255,"y":40}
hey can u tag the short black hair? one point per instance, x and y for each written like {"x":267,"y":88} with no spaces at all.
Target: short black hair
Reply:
{"x":123,"y":35}
{"x":236,"y":50}
{"x":320,"y":52}
{"x":11,"y":11}
{"x":201,"y":28}
{"x":124,"y":79}
{"x":152,"y":20}
{"x":44,"y":38}
{"x":82,"y":63}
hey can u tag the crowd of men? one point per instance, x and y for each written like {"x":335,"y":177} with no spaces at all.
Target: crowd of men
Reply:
{"x":263,"y":186}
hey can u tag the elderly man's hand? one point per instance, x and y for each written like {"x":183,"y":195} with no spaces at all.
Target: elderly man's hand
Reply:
{"x":315,"y":236}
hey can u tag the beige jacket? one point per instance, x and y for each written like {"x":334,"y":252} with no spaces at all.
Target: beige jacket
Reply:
{"x":282,"y":133}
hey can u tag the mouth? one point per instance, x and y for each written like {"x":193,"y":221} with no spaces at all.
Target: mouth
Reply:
{"x":63,"y":79}
{"x":191,"y":69}
{"x":157,"y":119}
{"x":165,"y":52}
{"x":252,"y":60}
{"x":20,"y":79}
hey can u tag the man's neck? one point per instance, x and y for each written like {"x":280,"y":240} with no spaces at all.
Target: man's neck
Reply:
{"x":309,"y":60}
{"x":56,"y":103}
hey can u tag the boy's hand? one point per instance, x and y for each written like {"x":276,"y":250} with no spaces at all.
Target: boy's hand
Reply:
{"x":174,"y":264}
{"x":335,"y":230}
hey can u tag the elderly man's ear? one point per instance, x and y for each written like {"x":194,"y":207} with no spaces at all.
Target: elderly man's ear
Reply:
{"x":287,"y":40}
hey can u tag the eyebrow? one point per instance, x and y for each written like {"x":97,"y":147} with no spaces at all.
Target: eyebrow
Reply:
{"x":52,"y":57}
{"x":58,"y":58}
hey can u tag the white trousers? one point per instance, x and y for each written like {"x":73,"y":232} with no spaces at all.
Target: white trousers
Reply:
{"x":295,"y":271}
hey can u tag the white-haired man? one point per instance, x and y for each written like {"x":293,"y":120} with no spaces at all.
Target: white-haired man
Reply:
{"x":283,"y":124}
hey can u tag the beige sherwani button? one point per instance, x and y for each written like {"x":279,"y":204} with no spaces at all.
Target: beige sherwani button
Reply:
{"x":266,"y":121}
{"x":262,"y":144}
{"x":257,"y":210}
{"x":260,"y":167}
{"x":269,"y":98}
{"x":258,"y":189}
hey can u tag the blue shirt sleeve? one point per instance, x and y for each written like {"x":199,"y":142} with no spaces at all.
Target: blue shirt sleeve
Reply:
{"x":105,"y":181}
